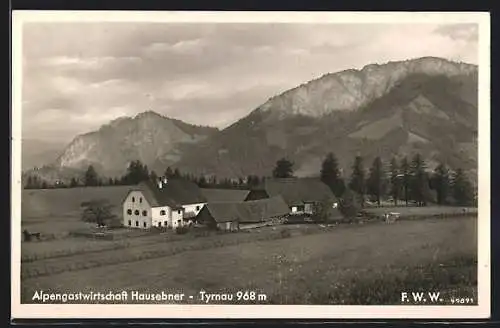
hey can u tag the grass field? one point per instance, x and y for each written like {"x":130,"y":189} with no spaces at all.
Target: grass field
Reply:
{"x":66,"y":201}
{"x":309,"y":264}
{"x":413,"y":211}
{"x":315,"y":268}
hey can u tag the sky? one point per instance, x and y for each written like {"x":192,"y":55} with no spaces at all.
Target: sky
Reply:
{"x":79,"y":76}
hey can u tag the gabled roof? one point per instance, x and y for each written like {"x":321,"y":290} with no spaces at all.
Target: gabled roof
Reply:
{"x":264,"y":209}
{"x":222,"y":212}
{"x":250,"y":211}
{"x":297,"y":190}
{"x":224,"y":195}
{"x":175,"y":193}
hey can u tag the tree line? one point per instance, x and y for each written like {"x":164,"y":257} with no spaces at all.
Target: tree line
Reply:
{"x":138,"y":172}
{"x":406,"y":180}
{"x":402,"y":181}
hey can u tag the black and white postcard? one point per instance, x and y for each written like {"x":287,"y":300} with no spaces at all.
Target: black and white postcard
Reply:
{"x":250,"y":165}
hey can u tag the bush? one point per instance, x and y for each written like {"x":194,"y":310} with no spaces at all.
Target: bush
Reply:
{"x":181,"y":230}
{"x":349,"y":205}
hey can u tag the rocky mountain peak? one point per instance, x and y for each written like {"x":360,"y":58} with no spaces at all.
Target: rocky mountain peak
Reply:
{"x":351,"y":89}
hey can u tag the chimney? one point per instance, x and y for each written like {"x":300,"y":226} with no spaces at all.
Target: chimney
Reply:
{"x":165,"y":180}
{"x":160,"y":183}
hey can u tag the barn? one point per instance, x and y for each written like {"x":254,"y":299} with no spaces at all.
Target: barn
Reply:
{"x":167,"y":203}
{"x":300,"y":194}
{"x":243,"y":215}
{"x":262,"y":212}
{"x":221,"y":216}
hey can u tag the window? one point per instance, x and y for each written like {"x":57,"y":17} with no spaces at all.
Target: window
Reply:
{"x":140,"y":199}
{"x":136,"y":212}
{"x":162,"y":212}
{"x":136,"y":223}
{"x":165,"y":223}
{"x":133,"y":199}
{"x":197,"y":208}
{"x":144,"y":213}
{"x":159,"y":224}
{"x":144,"y":224}
{"x":179,"y":212}
{"x":129,"y":223}
{"x":129,"y":211}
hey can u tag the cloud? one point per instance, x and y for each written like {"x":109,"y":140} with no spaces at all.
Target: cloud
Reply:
{"x":467,"y":32}
{"x":62,"y":62}
{"x":86,"y":74}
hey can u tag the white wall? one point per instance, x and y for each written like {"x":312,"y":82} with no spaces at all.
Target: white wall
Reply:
{"x":153,"y":215}
{"x":192,"y":209}
{"x":177,"y":218}
{"x":136,"y":203}
{"x":165,"y":220}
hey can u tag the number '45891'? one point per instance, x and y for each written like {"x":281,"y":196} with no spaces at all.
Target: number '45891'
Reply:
{"x":462,"y":300}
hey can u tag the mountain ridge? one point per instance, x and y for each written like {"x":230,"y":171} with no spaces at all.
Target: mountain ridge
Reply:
{"x":344,"y":112}
{"x":147,"y":136}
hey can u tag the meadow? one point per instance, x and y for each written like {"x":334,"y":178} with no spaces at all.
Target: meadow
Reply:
{"x":414,"y":211}
{"x":290,"y":264}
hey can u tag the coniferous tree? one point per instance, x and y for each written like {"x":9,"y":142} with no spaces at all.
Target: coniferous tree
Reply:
{"x":395,"y":180}
{"x":136,"y":172}
{"x":330,"y":175}
{"x":91,"y":178}
{"x":376,"y":183}
{"x":250,"y":181}
{"x":73,"y":183}
{"x":283,"y":169}
{"x":419,"y":181}
{"x":405,"y":179}
{"x":29,"y":182}
{"x":462,"y":189}
{"x":441,"y":183}
{"x":212,"y":182}
{"x":153,"y":176}
{"x":202,"y":182}
{"x":357,"y":182}
{"x":169,"y":172}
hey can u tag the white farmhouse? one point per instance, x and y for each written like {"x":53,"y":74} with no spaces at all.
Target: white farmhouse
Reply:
{"x":167,"y":203}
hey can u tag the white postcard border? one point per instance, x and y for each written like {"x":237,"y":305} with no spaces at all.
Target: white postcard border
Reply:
{"x":68,"y":311}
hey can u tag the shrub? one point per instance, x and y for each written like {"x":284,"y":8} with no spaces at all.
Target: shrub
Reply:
{"x":349,"y":205}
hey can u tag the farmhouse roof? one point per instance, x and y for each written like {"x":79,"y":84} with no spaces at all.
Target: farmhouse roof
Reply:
{"x":250,"y":211}
{"x":224,"y":195}
{"x":297,"y":190}
{"x":175,"y":193}
{"x":264,"y":209}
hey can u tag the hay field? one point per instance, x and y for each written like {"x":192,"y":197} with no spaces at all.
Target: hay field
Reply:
{"x":414,"y":211}
{"x":302,"y":269}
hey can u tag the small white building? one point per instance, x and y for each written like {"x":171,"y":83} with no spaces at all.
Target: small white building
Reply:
{"x":167,"y":203}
